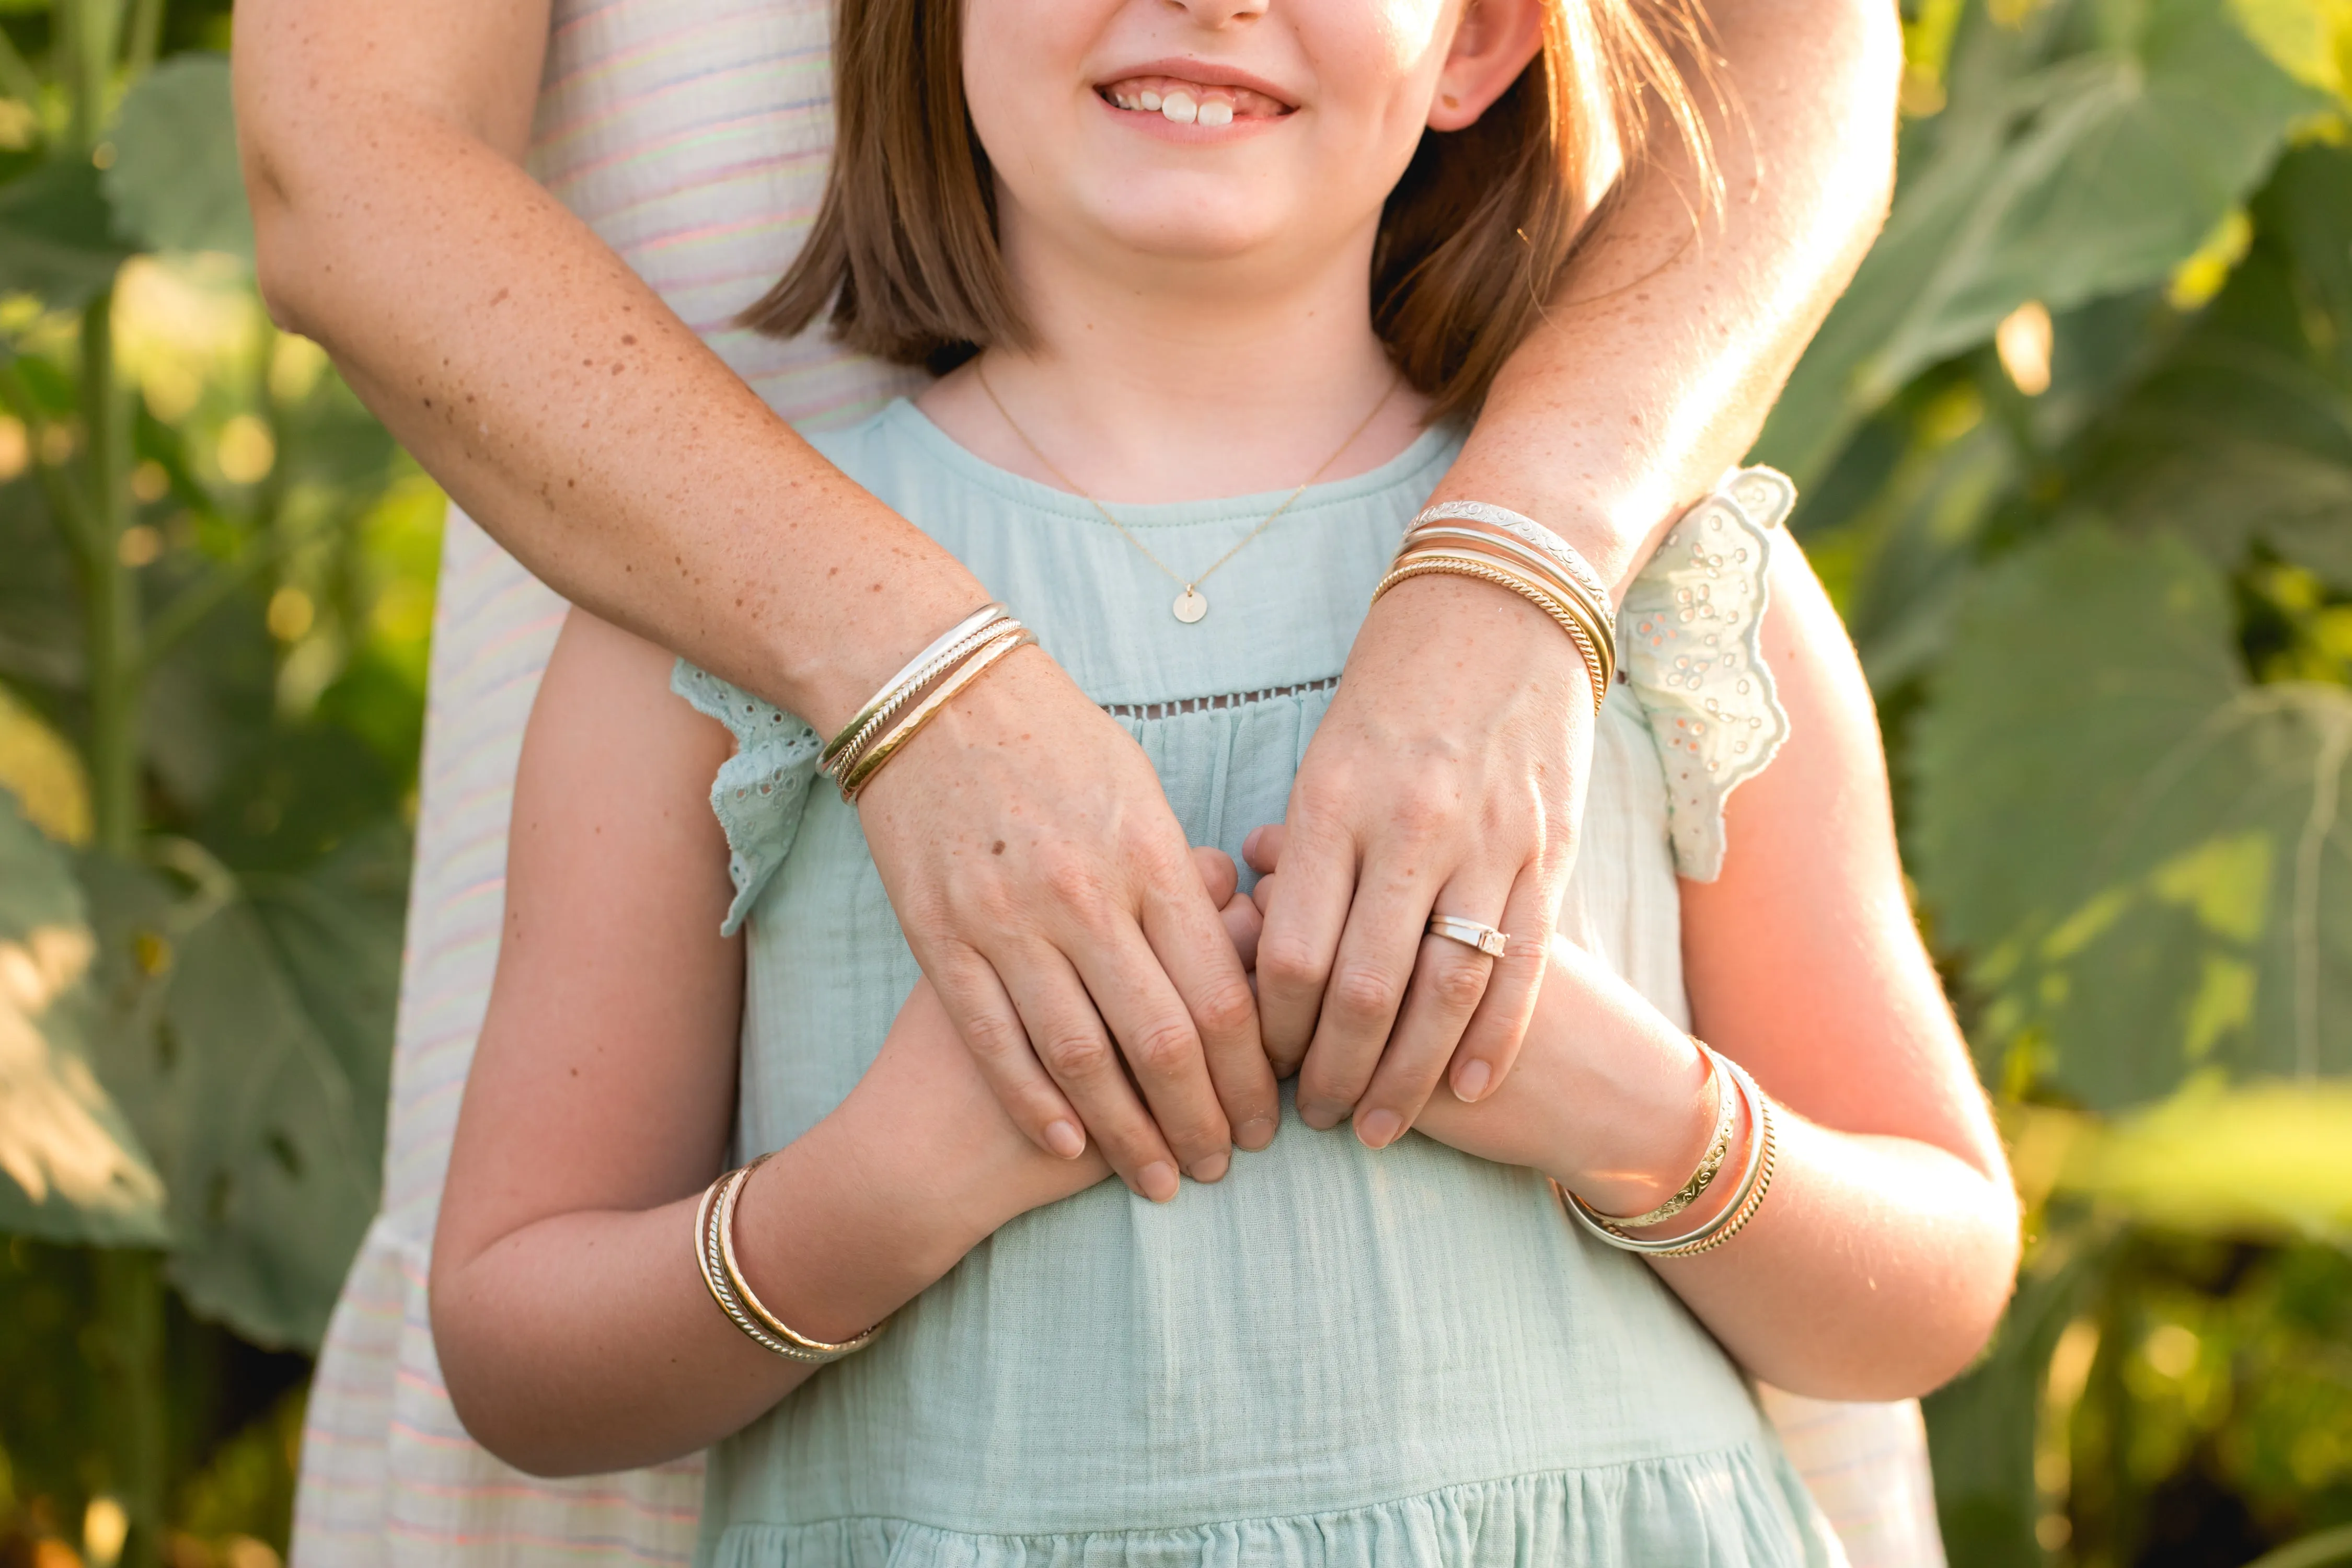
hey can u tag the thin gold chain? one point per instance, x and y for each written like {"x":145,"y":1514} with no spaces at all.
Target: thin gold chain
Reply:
{"x":1174,"y":576}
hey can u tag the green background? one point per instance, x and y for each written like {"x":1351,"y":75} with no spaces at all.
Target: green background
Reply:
{"x":2077,"y":453}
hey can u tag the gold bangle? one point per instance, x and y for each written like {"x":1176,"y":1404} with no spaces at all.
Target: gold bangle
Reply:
{"x":1756,"y":1180}
{"x":1424,"y":563}
{"x":1493,"y":542}
{"x":888,"y":707}
{"x":1570,"y":611}
{"x":715,"y":1225}
{"x":910,"y":677}
{"x":1710,"y":1163}
{"x":853,"y":784}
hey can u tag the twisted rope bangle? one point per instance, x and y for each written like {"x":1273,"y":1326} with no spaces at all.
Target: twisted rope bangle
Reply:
{"x":1426,"y":564}
{"x":715,"y":1229}
{"x":1755,"y":1181}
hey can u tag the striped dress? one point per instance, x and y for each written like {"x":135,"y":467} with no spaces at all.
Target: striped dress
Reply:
{"x":692,"y":136}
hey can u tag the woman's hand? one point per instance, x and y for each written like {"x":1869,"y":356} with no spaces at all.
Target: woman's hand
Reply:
{"x":1045,"y":887}
{"x":1447,"y":777}
{"x":928,"y":1124}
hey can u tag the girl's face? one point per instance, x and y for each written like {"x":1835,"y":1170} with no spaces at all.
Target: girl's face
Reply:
{"x":1209,"y":131}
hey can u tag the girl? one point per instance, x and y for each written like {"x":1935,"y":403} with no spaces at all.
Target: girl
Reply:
{"x":1198,"y":243}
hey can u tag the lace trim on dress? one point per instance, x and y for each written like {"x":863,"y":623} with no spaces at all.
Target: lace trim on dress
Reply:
{"x":1690,"y":642}
{"x":762,"y":790}
{"x":1223,"y":699}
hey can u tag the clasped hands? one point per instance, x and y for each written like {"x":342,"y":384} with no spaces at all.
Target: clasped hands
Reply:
{"x":1043,"y":883}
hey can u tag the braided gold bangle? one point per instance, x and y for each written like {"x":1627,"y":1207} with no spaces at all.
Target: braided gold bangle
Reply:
{"x":1755,"y":1181}
{"x":1012,"y":635}
{"x":1426,"y":564}
{"x":714,"y":1225}
{"x":910,"y":677}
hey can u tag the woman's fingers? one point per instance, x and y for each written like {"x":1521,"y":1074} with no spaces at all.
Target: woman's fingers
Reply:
{"x":1069,"y":1039}
{"x":1295,"y":951}
{"x":1367,"y":987}
{"x":1226,"y":1015}
{"x":985,"y":1015}
{"x":1449,"y":979}
{"x":1490,"y":1043}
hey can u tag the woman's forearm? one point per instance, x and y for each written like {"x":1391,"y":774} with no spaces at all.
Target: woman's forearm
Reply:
{"x":539,"y":380}
{"x":1672,"y":332}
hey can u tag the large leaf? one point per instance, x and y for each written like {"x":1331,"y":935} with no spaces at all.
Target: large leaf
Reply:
{"x":2143,"y":858}
{"x":58,"y":236}
{"x":175,"y":183}
{"x":251,"y":1031}
{"x":2085,"y":154}
{"x":70,"y":1169}
{"x":2244,"y":432}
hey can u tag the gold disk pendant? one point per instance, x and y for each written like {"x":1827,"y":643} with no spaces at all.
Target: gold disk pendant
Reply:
{"x":1189,"y":605}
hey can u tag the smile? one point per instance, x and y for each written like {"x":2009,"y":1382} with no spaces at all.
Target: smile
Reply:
{"x":1184,"y":102}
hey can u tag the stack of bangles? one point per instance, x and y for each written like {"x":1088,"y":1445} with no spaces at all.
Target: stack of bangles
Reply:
{"x":913,"y":697}
{"x":1755,"y":1176}
{"x":1470,"y":538}
{"x":714,"y":1231}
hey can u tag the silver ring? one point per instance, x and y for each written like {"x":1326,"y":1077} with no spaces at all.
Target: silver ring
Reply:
{"x":1469,"y":933}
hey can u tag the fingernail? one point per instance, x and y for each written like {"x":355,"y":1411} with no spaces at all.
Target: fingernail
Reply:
{"x":1249,"y":845}
{"x":1255,"y":1133}
{"x":1213,"y":1168}
{"x":1380,"y":1129}
{"x":1470,"y":1083}
{"x":1157,"y":1181}
{"x":1065,"y":1139}
{"x":1322,"y":1117}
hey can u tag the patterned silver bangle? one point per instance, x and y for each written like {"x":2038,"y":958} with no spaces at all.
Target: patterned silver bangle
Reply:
{"x":1529,"y":532}
{"x":912,"y":677}
{"x":1710,"y":1161}
{"x":1755,"y":1181}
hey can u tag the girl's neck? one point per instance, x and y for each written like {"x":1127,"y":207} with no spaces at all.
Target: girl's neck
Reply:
{"x":1182,"y":380}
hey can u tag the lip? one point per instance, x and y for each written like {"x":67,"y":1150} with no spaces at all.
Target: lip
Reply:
{"x":1208,"y":73}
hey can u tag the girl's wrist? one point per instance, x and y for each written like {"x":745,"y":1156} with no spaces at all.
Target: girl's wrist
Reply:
{"x":832,"y":1244}
{"x":1643,"y":1123}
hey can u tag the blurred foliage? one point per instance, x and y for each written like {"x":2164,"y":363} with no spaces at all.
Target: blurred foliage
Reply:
{"x":2077,"y":454}
{"x":2077,"y":457}
{"x":216,"y":588}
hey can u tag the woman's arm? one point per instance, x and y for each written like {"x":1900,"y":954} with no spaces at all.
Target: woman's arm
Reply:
{"x":567,"y":1308}
{"x":1883,"y":1254}
{"x":1024,"y":841}
{"x":1448,"y":771}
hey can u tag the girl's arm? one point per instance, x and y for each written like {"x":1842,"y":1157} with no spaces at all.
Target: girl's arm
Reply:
{"x":1883,"y":1254}
{"x":571,"y":1317}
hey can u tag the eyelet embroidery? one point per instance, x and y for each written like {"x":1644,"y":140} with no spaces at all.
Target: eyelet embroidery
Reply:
{"x":1692,"y":627}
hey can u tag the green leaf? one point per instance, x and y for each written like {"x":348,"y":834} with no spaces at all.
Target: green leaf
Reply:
{"x":70,"y":1169}
{"x":57,"y":238}
{"x":2142,"y":857}
{"x":175,"y":181}
{"x":2070,"y":164}
{"x":1981,"y":1427}
{"x":2244,"y":431}
{"x":2266,"y":1159}
{"x":253,"y":1057}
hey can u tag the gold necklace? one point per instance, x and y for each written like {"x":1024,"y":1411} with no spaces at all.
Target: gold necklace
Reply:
{"x":1192,"y":604}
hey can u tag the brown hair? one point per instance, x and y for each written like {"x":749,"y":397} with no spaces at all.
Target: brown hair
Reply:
{"x":1472,"y":241}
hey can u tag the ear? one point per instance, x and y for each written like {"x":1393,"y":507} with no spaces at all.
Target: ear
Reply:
{"x":1493,"y":43}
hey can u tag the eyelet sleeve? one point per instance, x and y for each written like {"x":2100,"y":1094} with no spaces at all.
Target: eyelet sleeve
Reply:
{"x":1690,"y":638}
{"x":762,"y":790}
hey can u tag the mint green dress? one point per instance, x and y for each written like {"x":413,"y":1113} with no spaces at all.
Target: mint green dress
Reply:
{"x":1335,"y":1356}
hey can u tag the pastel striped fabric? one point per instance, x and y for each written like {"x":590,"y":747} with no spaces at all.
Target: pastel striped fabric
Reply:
{"x":692,"y":136}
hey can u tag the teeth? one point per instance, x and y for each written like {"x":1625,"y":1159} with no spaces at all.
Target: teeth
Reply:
{"x":1179,"y":108}
{"x":1150,"y":101}
{"x":1215,"y":113}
